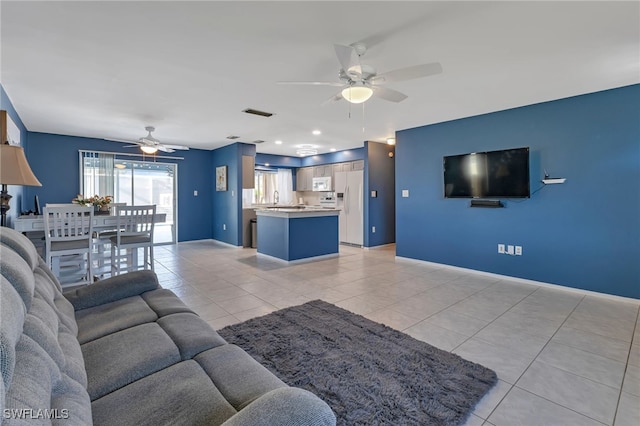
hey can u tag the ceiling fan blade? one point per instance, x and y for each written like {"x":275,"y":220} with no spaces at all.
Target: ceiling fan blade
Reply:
{"x":334,"y":98}
{"x":164,"y":148}
{"x":348,"y":58}
{"x":179,"y":147}
{"x":131,"y":146}
{"x":389,"y":94}
{"x":408,"y":73}
{"x":119,"y":140}
{"x":313,"y":83}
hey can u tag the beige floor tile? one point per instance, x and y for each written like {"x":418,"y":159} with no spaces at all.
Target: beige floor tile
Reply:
{"x":577,"y":393}
{"x":556,"y":346}
{"x":520,"y":407}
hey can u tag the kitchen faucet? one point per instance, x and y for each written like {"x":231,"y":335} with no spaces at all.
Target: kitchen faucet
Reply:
{"x":276,"y":197}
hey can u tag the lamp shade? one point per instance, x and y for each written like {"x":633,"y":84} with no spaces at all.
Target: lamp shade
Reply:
{"x":357,"y":93}
{"x":14,"y":169}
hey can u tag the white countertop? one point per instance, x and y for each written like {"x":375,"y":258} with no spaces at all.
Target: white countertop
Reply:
{"x":288,"y":211}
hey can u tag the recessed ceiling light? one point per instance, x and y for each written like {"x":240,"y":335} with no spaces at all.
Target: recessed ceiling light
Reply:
{"x":332,"y":150}
{"x":278,"y":142}
{"x":317,"y":132}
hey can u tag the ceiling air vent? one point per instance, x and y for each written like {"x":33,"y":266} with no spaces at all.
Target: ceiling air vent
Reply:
{"x":256,"y":112}
{"x":258,"y":141}
{"x":233,"y":137}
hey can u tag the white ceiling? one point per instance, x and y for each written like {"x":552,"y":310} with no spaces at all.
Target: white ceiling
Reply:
{"x":108,"y":69}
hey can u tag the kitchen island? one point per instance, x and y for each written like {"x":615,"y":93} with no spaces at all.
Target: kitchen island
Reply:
{"x":297,"y":234}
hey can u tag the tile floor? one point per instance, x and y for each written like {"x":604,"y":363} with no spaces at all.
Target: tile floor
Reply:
{"x":562,"y":358}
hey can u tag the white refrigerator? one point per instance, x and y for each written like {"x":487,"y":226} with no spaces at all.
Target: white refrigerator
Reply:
{"x":349,"y":193}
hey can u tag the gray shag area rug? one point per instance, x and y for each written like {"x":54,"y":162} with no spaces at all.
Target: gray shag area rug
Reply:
{"x":368,"y":373}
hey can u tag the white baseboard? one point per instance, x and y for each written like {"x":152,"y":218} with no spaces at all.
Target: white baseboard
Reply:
{"x":381,"y":246}
{"x":525,"y":281}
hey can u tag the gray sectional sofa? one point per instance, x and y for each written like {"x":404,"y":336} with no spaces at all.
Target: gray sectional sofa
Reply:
{"x":124,"y":351}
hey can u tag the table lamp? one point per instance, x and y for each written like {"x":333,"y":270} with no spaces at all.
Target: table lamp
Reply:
{"x":14,"y":170}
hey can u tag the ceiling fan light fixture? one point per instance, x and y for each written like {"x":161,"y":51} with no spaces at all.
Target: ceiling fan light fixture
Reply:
{"x":357,"y":93}
{"x":149,"y":149}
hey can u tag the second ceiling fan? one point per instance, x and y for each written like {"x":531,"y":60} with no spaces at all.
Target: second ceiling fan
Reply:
{"x":360,"y":81}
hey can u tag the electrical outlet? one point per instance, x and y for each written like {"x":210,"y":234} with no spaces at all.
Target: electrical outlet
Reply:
{"x":405,"y":193}
{"x":224,"y":226}
{"x":518,"y":250}
{"x":501,"y":248}
{"x":373,"y":229}
{"x":510,"y":250}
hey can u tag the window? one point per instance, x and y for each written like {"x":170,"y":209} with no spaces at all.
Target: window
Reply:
{"x":268,"y":182}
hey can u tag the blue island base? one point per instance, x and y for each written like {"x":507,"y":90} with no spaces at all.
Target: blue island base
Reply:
{"x":297,"y":238}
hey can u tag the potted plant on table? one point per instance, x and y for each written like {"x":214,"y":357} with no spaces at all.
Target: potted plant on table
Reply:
{"x":101,"y":204}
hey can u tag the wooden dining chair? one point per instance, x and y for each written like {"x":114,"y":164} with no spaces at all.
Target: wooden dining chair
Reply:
{"x":69,"y":241}
{"x":135,"y":226}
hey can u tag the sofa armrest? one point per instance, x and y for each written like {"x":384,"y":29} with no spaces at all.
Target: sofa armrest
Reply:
{"x":285,"y":407}
{"x":112,"y":289}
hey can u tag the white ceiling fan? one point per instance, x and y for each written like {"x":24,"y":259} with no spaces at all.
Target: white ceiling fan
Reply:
{"x":360,"y":81}
{"x":150,"y":145}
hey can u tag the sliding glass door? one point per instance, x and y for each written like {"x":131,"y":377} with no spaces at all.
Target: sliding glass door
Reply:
{"x":135,"y":183}
{"x":142,"y":183}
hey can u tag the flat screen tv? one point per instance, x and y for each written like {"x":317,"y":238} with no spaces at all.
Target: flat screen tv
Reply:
{"x":492,"y":174}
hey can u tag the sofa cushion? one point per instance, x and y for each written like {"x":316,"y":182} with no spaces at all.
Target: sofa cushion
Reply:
{"x":164,"y":302}
{"x":113,"y":289}
{"x":120,"y":358}
{"x":181,"y":394}
{"x":19,"y":274}
{"x":285,"y":407}
{"x":39,"y":384}
{"x":21,"y":245}
{"x":190,"y":333}
{"x":109,"y":318}
{"x":47,"y":291}
{"x":12,"y":315}
{"x":240,"y":378}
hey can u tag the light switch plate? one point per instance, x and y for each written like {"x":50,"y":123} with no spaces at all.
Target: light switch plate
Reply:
{"x":405,"y":193}
{"x":374,"y":194}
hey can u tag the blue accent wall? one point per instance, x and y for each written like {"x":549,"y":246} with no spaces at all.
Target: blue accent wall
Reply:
{"x":227,"y":205}
{"x":379,"y":176}
{"x":583,"y":234}
{"x":55,"y":161}
{"x":334,"y":157}
{"x":17,"y":203}
{"x":278,"y":161}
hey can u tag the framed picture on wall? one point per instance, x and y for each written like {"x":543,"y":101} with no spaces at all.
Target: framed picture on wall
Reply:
{"x":221,"y":178}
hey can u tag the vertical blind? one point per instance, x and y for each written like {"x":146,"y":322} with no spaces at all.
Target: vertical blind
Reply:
{"x":96,"y":174}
